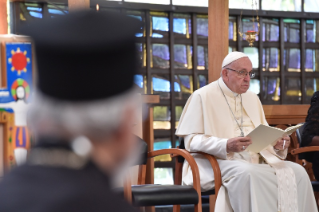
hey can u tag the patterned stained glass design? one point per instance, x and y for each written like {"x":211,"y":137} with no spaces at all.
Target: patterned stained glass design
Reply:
{"x":312,"y":31}
{"x":202,"y":81}
{"x":159,"y":24}
{"x":160,"y":56}
{"x":202,"y":57}
{"x":253,"y":55}
{"x":182,"y":25}
{"x":56,"y":10}
{"x":292,"y":30}
{"x":281,"y":5}
{"x":271,"y":89}
{"x":183,"y":56}
{"x":232,"y":32}
{"x":140,"y":81}
{"x":293,"y":90}
{"x":202,"y":26}
{"x":30,"y":11}
{"x":178,"y":113}
{"x":161,"y":86}
{"x":312,"y":85}
{"x":271,"y":59}
{"x":312,"y":60}
{"x":311,"y":6}
{"x":292,"y":60}
{"x":185,"y":84}
{"x":162,"y":117}
{"x":270,"y":30}
{"x":162,"y":143}
{"x":255,"y":86}
{"x":140,"y":16}
{"x":141,"y":49}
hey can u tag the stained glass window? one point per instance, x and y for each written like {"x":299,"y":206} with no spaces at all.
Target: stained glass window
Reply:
{"x":182,"y":25}
{"x":293,"y":90}
{"x":185,"y":83}
{"x":271,"y":59}
{"x":30,"y":11}
{"x":292,"y":30}
{"x":271,"y":30}
{"x":161,"y":86}
{"x":253,"y":55}
{"x":312,"y":31}
{"x":281,"y":5}
{"x":312,"y":85}
{"x":178,"y":113}
{"x":271,"y":89}
{"x":292,"y":60}
{"x":141,"y":49}
{"x":162,"y":117}
{"x":140,"y":81}
{"x":160,"y":56}
{"x":312,"y":60}
{"x":183,"y":56}
{"x":202,"y":26}
{"x":140,"y":16}
{"x":202,"y":81}
{"x":202,"y":57}
{"x":255,"y":86}
{"x":159,"y":24}
{"x":232,"y":32}
{"x":311,"y":6}
{"x":56,"y":10}
{"x":231,"y":49}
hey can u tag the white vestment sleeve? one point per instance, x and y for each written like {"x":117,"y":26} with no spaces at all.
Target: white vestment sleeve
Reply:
{"x":208,"y":144}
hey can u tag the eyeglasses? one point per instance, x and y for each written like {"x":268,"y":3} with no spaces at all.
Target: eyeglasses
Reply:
{"x":243,"y":74}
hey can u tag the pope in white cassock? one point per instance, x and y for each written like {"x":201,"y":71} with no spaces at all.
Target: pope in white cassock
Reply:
{"x":215,"y":120}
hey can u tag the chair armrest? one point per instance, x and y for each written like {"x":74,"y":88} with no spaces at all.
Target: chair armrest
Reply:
{"x":191,"y":161}
{"x":216,"y":169}
{"x":305,"y":149}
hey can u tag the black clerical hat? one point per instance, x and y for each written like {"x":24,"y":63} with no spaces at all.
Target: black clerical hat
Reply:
{"x":86,"y":55}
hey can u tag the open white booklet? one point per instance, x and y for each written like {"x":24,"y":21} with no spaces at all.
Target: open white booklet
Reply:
{"x":263,"y":135}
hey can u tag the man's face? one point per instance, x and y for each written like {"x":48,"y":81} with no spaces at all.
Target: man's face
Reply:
{"x":237,"y":83}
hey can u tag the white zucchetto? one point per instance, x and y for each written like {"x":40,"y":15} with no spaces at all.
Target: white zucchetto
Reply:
{"x":231,"y":57}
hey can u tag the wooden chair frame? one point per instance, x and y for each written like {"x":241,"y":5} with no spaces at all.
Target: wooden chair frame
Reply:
{"x":173,"y":151}
{"x":217,"y":178}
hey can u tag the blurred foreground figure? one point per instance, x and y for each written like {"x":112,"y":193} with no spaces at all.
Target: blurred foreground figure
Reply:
{"x":86,"y":64}
{"x":217,"y":119}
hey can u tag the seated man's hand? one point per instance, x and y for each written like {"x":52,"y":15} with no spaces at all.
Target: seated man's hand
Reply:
{"x":238,"y":144}
{"x":280,"y":143}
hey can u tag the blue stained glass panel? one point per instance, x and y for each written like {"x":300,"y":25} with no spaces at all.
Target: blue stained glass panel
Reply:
{"x":202,"y":57}
{"x":138,"y":79}
{"x":160,"y":56}
{"x":185,"y":83}
{"x":312,"y":60}
{"x":202,"y":27}
{"x":160,"y":24}
{"x":231,"y":30}
{"x":271,"y":30}
{"x":36,"y":14}
{"x":271,"y":89}
{"x":312,"y":31}
{"x":183,"y":56}
{"x":293,"y":57}
{"x":292,"y":30}
{"x":271,"y":59}
{"x":179,"y":25}
{"x":202,"y":80}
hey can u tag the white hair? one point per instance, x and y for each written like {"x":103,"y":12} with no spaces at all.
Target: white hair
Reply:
{"x":94,"y":119}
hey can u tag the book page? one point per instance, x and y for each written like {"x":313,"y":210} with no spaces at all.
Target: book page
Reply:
{"x":262,"y":136}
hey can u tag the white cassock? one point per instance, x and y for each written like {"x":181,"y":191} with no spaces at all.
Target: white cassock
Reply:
{"x":250,"y":182}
